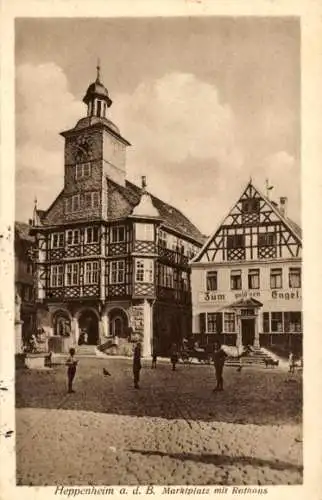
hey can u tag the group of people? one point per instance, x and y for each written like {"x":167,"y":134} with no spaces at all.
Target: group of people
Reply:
{"x":219,"y":356}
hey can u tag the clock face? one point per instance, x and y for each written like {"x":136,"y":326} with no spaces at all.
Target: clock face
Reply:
{"x":83,"y":149}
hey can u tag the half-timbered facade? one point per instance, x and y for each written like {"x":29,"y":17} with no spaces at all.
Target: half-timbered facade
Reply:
{"x":112,"y":259}
{"x":246,"y":280}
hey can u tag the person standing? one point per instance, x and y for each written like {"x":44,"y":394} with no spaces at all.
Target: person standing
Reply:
{"x":291,"y":362}
{"x":219,"y":357}
{"x":71,"y":369}
{"x":137,"y":365}
{"x":174,"y":356}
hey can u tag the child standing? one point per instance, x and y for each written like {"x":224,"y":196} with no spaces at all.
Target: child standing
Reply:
{"x":71,"y":369}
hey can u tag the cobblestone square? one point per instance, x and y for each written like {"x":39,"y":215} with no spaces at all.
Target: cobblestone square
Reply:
{"x":174,"y":430}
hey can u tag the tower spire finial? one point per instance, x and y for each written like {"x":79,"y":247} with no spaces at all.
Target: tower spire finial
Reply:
{"x":98,"y":68}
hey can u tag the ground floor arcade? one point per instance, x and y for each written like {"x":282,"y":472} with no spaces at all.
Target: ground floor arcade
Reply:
{"x":152,"y":322}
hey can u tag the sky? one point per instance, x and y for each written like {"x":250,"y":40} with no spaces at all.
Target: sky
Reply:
{"x":206,"y":103}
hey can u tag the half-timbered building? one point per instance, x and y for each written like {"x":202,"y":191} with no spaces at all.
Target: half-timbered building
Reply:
{"x":246,"y":280}
{"x":112,"y":259}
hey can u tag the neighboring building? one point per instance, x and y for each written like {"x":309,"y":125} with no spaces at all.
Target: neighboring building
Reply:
{"x":112,"y":259}
{"x":246,"y":280}
{"x":24,"y":282}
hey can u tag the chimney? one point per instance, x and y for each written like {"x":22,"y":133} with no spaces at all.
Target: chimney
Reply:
{"x":283,"y":205}
{"x":143,"y":182}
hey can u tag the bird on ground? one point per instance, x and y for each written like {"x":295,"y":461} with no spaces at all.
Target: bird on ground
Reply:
{"x":106,"y":372}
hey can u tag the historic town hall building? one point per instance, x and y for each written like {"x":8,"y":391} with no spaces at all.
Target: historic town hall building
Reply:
{"x":111,"y":258}
{"x":246,"y":280}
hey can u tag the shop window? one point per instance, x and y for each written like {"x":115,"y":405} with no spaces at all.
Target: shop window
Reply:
{"x":293,"y":322}
{"x":211,"y":281}
{"x":276,"y":278}
{"x":277,"y":322}
{"x":266,"y":327}
{"x":253,"y":279}
{"x":235,"y":280}
{"x":295,"y":277}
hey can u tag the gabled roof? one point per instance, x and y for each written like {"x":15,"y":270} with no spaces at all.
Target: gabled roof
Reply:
{"x":292,"y":226}
{"x":171,"y":216}
{"x":251,"y":303}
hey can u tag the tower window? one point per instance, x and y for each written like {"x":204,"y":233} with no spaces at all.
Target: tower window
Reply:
{"x":91,"y":273}
{"x":82,"y":170}
{"x":91,"y":235}
{"x":144,"y":232}
{"x":117,"y":271}
{"x":99,"y":108}
{"x":91,"y":200}
{"x":118,"y":234}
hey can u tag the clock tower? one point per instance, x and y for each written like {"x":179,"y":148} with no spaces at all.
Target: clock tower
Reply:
{"x":94,"y":151}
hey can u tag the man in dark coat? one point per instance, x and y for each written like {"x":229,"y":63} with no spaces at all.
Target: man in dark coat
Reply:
{"x":137,"y":365}
{"x":219,"y":357}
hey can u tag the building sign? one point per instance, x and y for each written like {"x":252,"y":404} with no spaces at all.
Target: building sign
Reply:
{"x":137,"y":319}
{"x":286,"y":294}
{"x":262,"y":295}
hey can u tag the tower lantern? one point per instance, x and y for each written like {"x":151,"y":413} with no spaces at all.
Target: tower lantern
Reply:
{"x":96,"y":97}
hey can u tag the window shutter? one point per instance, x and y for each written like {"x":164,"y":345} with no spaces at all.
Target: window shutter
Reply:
{"x":219,"y":322}
{"x":202,"y":322}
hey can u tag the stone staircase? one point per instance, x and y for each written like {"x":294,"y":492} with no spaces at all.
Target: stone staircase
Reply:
{"x":85,"y":350}
{"x":256,"y":357}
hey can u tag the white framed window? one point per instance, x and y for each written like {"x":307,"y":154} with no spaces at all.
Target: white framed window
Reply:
{"x":57,"y":240}
{"x":72,"y":237}
{"x":144,"y":232}
{"x":117,"y":271}
{"x":82,"y":170}
{"x":91,"y":234}
{"x":211,"y":281}
{"x":72,"y":274}
{"x":117,"y":234}
{"x":163,"y":238}
{"x":144,"y":270}
{"x":57,"y":275}
{"x":276,"y":278}
{"x":295,"y":277}
{"x":235,"y":280}
{"x":91,"y":273}
{"x":229,"y":323}
{"x":91,"y":199}
{"x":253,"y":279}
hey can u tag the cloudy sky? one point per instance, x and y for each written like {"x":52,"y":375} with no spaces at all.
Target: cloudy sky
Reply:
{"x":206,"y":103}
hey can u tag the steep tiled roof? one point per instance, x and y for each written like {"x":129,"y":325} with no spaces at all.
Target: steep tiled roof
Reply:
{"x":172,"y":217}
{"x":296,"y":228}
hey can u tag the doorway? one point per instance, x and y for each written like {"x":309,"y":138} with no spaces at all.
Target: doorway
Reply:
{"x":118,"y":323}
{"x":248,"y":331}
{"x":88,"y":325}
